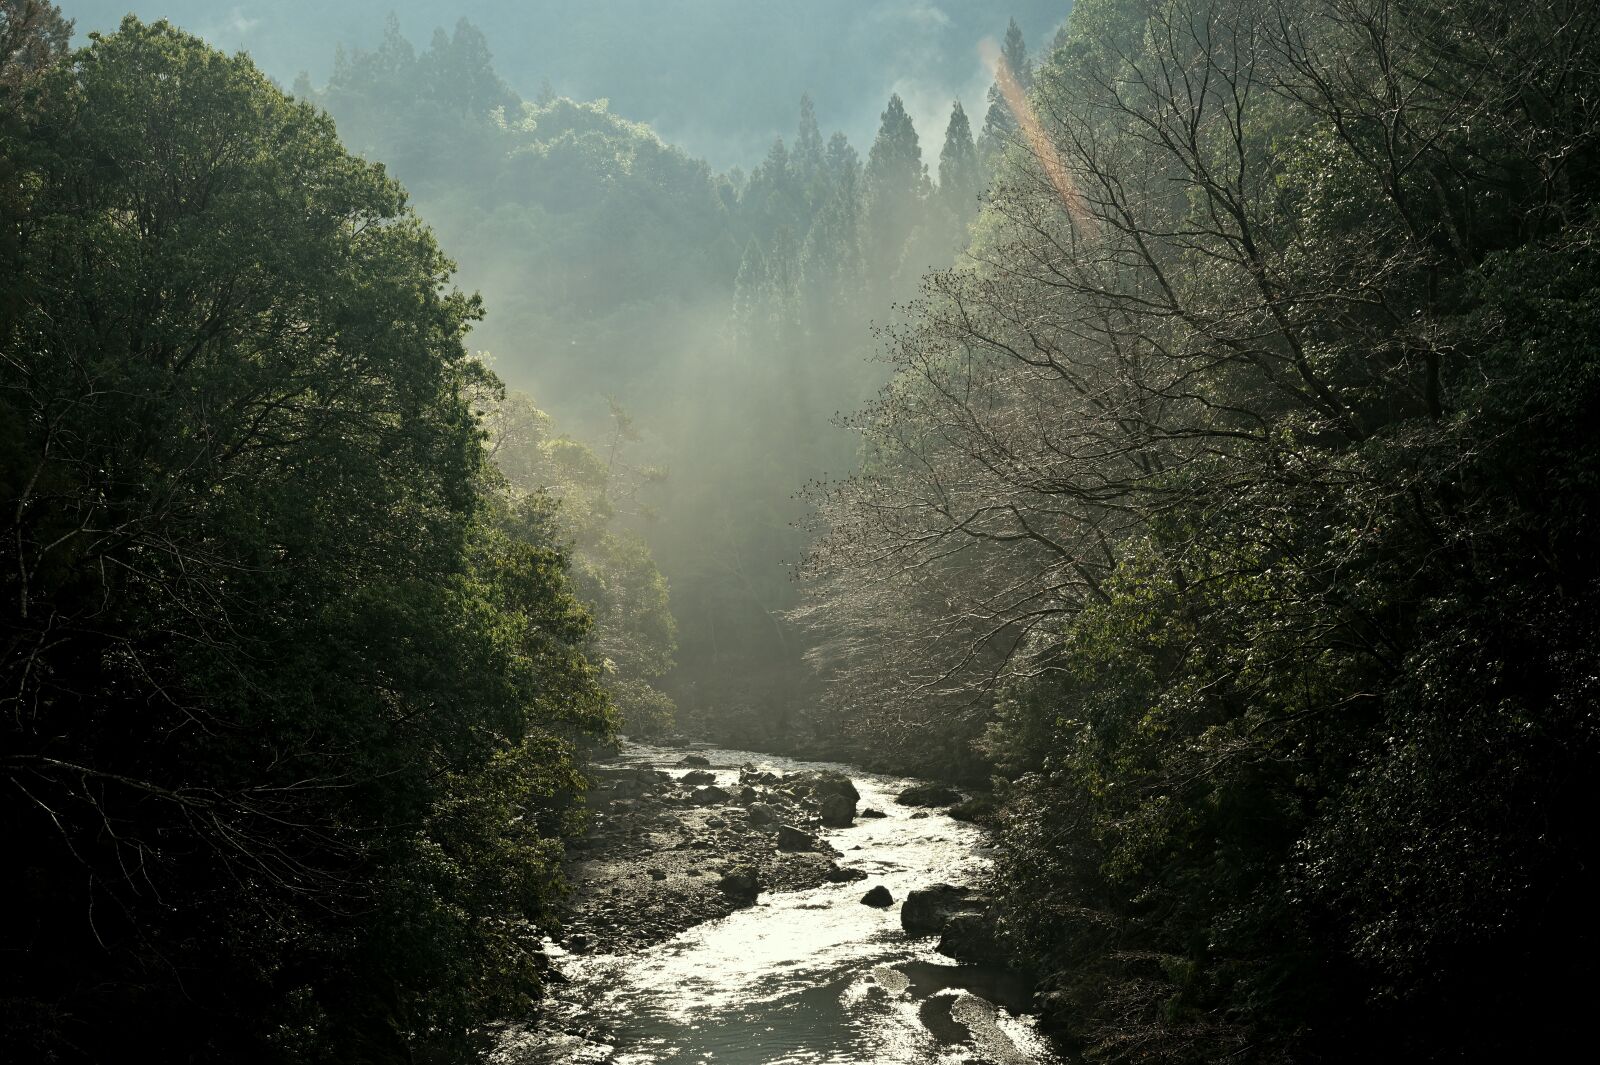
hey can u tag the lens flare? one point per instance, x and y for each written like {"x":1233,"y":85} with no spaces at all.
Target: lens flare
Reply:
{"x":1039,"y":143}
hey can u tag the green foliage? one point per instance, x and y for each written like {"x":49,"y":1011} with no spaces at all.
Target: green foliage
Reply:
{"x":1240,"y":483}
{"x":999,"y":124}
{"x":584,"y":500}
{"x":960,"y":175}
{"x":294,"y":705}
{"x":732,"y":313}
{"x":895,"y":184}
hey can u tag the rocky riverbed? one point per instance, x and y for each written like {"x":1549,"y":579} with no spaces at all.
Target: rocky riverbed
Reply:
{"x":736,"y":907}
{"x":673,"y":848}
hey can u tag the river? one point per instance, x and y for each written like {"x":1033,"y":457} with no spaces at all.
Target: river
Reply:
{"x":812,"y":977}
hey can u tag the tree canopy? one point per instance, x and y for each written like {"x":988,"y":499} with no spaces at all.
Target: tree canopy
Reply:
{"x":294,"y":702}
{"x":1231,"y":504}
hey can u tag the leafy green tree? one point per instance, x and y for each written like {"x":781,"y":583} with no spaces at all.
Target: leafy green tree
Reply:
{"x":1211,"y":484}
{"x":594,"y":495}
{"x":295,"y":705}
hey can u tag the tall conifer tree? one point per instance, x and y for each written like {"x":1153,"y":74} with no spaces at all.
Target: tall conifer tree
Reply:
{"x":808,"y":147}
{"x":896,"y":186}
{"x":960,"y":176}
{"x":999,"y":124}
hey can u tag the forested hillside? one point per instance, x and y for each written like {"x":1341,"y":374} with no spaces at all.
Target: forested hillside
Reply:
{"x":1184,"y":446}
{"x":1236,"y":505}
{"x":729,"y":317}
{"x":718,"y":78}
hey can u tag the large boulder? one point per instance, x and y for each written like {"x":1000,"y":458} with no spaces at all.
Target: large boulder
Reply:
{"x":708,"y":796}
{"x":928,"y":795}
{"x":792,"y":839}
{"x":624,"y":782}
{"x":819,"y":783}
{"x":837,"y":811}
{"x":695,"y":760}
{"x":971,"y":938}
{"x":833,"y":792}
{"x":759,"y":813}
{"x":878,"y":897}
{"x":927,"y":911}
{"x":981,"y":807}
{"x":742,"y":884}
{"x":698,"y":776}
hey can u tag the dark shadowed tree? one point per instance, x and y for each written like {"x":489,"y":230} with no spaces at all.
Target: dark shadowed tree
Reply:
{"x":293,"y":703}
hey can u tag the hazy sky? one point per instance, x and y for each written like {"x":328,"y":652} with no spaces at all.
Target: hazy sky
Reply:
{"x":719,"y":77}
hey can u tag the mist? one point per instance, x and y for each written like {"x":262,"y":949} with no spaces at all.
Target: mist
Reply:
{"x":719,"y":79}
{"x":584,"y":532}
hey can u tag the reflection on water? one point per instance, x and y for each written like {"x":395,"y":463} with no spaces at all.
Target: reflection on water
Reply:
{"x":814,"y":976}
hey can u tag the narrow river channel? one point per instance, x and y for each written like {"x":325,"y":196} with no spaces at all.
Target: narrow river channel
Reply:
{"x":814,"y":976}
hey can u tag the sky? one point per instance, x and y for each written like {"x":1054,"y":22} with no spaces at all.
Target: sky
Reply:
{"x":720,"y":78}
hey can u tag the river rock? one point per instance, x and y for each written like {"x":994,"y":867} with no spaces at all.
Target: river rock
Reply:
{"x":928,"y":795}
{"x":748,"y":795}
{"x":927,"y":911}
{"x":792,"y":839}
{"x":981,"y":807}
{"x":837,"y":811}
{"x":971,"y":938}
{"x":708,"y":796}
{"x":870,"y":812}
{"x":741,"y":883}
{"x":695,"y":760}
{"x":878,"y":897}
{"x":821,"y":782}
{"x":833,"y":793}
{"x":844,"y":875}
{"x":623,"y":782}
{"x":759,"y":813}
{"x":698,"y":776}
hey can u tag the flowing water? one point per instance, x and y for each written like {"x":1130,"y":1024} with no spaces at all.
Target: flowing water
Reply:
{"x":812,"y":977}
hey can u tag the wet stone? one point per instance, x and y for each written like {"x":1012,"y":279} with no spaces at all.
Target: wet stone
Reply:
{"x":708,"y":796}
{"x":928,"y":795}
{"x":792,"y":839}
{"x":878,"y":897}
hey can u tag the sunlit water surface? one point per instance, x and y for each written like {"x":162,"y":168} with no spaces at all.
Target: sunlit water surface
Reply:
{"x":814,"y":976}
